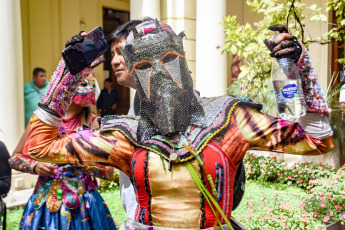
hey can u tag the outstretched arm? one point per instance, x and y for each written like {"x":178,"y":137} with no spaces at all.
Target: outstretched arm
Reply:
{"x":311,"y":136}
{"x":251,"y":129}
{"x":270,"y":133}
{"x":255,"y":130}
{"x":47,"y":142}
{"x":24,"y":164}
{"x":82,"y":148}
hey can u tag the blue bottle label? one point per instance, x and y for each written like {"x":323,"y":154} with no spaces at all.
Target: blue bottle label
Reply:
{"x":290,"y":91}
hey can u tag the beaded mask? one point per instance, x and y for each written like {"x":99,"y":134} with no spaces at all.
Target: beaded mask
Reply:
{"x":86,"y":91}
{"x":155,"y":58}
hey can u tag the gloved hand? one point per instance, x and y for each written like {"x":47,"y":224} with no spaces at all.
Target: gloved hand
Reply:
{"x":73,"y":40}
{"x":76,"y":38}
{"x":284,"y":44}
{"x":62,"y":87}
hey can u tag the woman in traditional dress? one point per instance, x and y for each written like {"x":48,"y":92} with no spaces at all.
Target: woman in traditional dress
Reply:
{"x":65,"y":196}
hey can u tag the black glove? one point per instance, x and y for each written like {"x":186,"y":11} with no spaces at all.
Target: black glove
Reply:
{"x":75,"y":39}
{"x":290,"y":48}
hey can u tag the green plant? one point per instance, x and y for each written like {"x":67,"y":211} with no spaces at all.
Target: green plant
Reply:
{"x":265,"y":96}
{"x":337,"y":33}
{"x":327,"y":199}
{"x":326,"y":185}
{"x":321,"y":203}
{"x":255,"y":189}
{"x":336,"y":115}
{"x":274,"y":213}
{"x":111,"y":184}
{"x":13,"y":217}
{"x":299,"y":174}
{"x":247,"y":41}
{"x":113,"y":199}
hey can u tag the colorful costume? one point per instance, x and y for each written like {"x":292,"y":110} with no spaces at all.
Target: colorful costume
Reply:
{"x":156,"y":150}
{"x":69,"y":199}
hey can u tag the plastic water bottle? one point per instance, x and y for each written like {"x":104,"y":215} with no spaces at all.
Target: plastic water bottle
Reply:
{"x":288,"y":89}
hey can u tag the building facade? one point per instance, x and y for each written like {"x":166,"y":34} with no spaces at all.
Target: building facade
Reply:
{"x":34,"y":33}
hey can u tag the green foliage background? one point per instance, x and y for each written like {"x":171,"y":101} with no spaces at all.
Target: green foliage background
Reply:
{"x":247,"y":41}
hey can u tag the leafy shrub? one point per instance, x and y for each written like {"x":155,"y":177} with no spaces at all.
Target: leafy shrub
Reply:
{"x":246,"y":40}
{"x":112,"y":184}
{"x":325,"y":184}
{"x":327,"y":199}
{"x":273,"y":213}
{"x":299,"y":174}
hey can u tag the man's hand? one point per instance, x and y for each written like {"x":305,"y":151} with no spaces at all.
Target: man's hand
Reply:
{"x":114,"y":106}
{"x":284,"y":45}
{"x":44,"y":169}
{"x":110,"y":172}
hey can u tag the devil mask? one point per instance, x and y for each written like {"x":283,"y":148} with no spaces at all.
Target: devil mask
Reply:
{"x":155,"y":58}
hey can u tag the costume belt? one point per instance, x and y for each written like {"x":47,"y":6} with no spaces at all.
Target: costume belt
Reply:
{"x":66,"y":186}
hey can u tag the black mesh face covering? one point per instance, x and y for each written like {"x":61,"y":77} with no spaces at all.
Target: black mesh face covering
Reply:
{"x":162,"y":78}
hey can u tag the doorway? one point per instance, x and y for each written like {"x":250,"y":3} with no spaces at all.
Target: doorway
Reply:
{"x":111,"y":20}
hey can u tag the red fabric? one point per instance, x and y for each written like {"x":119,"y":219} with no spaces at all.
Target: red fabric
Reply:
{"x":139,"y":185}
{"x":213,"y":155}
{"x":235,"y":67}
{"x":83,"y":99}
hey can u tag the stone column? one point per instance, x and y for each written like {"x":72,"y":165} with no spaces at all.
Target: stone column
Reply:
{"x":11,"y":65}
{"x":211,"y":69}
{"x":140,"y":9}
{"x":181,"y":16}
{"x":145,"y":8}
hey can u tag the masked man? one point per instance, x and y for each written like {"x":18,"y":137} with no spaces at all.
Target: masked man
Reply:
{"x":183,"y":151}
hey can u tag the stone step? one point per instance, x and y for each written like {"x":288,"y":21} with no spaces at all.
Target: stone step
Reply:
{"x":18,"y":198}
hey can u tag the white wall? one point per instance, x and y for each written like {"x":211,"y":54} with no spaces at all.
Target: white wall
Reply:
{"x":11,"y":65}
